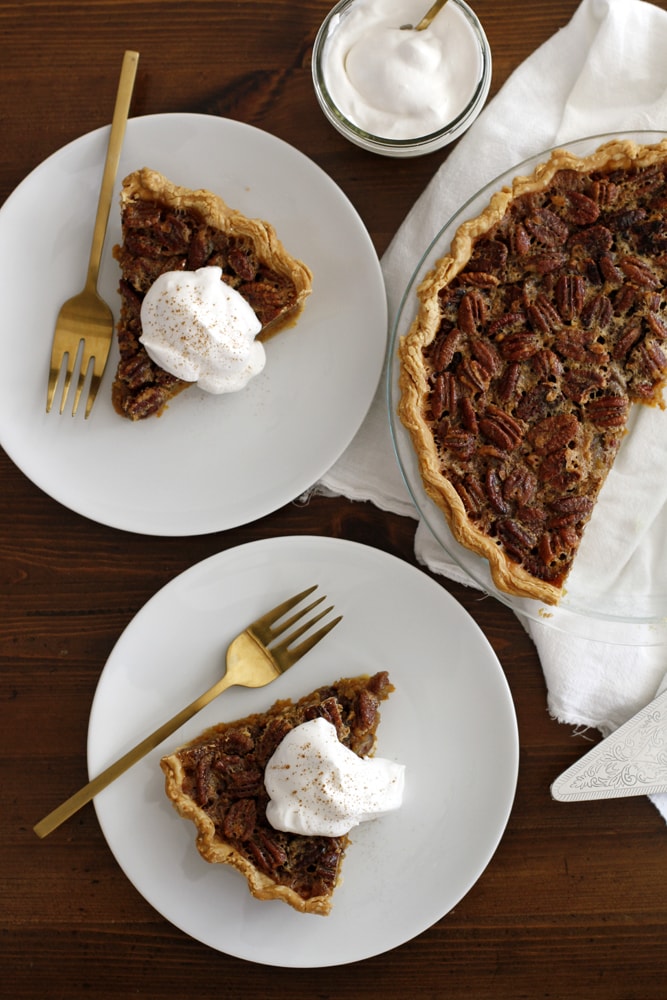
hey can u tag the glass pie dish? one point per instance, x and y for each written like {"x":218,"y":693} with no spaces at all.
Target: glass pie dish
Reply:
{"x":617,"y":589}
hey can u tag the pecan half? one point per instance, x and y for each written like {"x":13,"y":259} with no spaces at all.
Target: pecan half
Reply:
{"x":519,"y":346}
{"x":517,"y":540}
{"x":569,"y":510}
{"x":579,"y":209}
{"x":597,"y":312}
{"x":494,"y":490}
{"x":461,"y":443}
{"x":239,"y":821}
{"x":543,"y":316}
{"x":520,"y":485}
{"x":547,"y":228}
{"x":501,"y":428}
{"x":446,"y":347}
{"x":472,"y":312}
{"x":553,"y":433}
{"x":570,"y":291}
{"x":639,"y":272}
{"x":443,"y":395}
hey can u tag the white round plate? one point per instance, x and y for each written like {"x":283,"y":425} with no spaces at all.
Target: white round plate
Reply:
{"x":210,"y":462}
{"x":610,"y":594}
{"x":451,"y":721}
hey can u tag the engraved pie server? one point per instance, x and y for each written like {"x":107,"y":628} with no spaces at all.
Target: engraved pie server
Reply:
{"x":632,"y":761}
{"x":85,"y":322}
{"x":251,"y":661}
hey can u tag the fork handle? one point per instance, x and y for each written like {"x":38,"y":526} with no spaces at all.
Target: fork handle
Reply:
{"x":116,"y":136}
{"x":89,"y":791}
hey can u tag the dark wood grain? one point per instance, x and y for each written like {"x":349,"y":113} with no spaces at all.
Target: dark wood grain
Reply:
{"x":573,"y":904}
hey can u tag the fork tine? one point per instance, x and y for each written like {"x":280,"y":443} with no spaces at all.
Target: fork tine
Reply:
{"x":53,"y":382}
{"x":263,"y":626}
{"x":69,"y":371}
{"x":99,"y":365}
{"x":83,"y":371}
{"x":286,"y":657}
{"x":297,"y":633}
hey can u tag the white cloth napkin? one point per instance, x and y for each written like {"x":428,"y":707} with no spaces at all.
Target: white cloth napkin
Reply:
{"x":605,"y":71}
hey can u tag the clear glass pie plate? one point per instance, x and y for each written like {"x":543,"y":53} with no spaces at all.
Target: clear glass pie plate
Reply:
{"x":617,"y":589}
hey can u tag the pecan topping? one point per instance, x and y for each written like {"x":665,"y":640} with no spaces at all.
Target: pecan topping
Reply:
{"x":461,"y":443}
{"x":520,"y":485}
{"x":472,"y":312}
{"x":501,"y":428}
{"x":569,"y":510}
{"x":640,"y":273}
{"x":474,"y":375}
{"x":444,"y":395}
{"x":570,"y":291}
{"x":608,"y":411}
{"x":554,"y":326}
{"x":516,"y":539}
{"x":208,"y":773}
{"x":543,"y":315}
{"x":597,"y":312}
{"x":494,"y":489}
{"x":445,"y":350}
{"x":488,"y":256}
{"x":553,"y":433}
{"x":239,"y":822}
{"x":519,"y":346}
{"x":580,"y":209}
{"x":547,"y":228}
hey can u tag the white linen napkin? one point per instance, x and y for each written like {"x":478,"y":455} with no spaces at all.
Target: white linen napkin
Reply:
{"x":604,"y":72}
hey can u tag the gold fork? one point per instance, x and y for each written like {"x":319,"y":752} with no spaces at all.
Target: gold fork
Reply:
{"x":85,"y":322}
{"x":249,"y":662}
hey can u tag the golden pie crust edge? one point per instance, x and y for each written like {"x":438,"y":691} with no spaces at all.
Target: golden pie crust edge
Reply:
{"x":507,"y":575}
{"x":150,"y":185}
{"x":217,"y":852}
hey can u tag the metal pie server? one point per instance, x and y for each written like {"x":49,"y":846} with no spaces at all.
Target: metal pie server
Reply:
{"x":632,"y":761}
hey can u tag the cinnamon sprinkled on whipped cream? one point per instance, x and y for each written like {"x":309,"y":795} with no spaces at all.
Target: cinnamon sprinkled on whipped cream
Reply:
{"x":319,"y":787}
{"x":202,"y":330}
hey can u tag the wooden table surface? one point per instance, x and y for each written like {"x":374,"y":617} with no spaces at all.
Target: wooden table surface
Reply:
{"x":573,"y":904}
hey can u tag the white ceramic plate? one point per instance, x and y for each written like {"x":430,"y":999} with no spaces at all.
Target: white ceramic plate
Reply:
{"x":601,"y":602}
{"x":211,"y":462}
{"x":451,"y":721}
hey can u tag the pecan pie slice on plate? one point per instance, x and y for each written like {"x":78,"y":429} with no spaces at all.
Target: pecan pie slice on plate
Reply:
{"x":217,"y":780}
{"x":169,"y":228}
{"x":533,"y":338}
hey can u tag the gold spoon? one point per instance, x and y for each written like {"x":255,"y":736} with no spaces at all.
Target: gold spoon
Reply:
{"x":427,"y":18}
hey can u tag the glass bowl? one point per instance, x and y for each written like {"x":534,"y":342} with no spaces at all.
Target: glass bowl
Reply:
{"x":415,"y":145}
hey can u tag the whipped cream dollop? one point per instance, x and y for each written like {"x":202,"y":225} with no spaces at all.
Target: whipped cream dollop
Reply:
{"x":319,"y":787}
{"x":401,"y":84}
{"x":198,"y":328}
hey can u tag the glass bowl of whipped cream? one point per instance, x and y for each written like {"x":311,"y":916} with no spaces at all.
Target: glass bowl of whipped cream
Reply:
{"x":392,"y":89}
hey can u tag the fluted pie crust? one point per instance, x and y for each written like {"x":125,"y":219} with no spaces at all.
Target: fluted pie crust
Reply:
{"x":168,"y":228}
{"x":533,"y":338}
{"x":217,"y":781}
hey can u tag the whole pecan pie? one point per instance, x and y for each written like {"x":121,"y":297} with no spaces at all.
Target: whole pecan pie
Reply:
{"x":533,"y":338}
{"x":169,"y":228}
{"x":217,"y":780}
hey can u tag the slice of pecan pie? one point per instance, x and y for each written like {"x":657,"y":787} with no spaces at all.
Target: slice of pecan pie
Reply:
{"x":170,"y":228}
{"x":217,"y":781}
{"x":533,"y":337}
